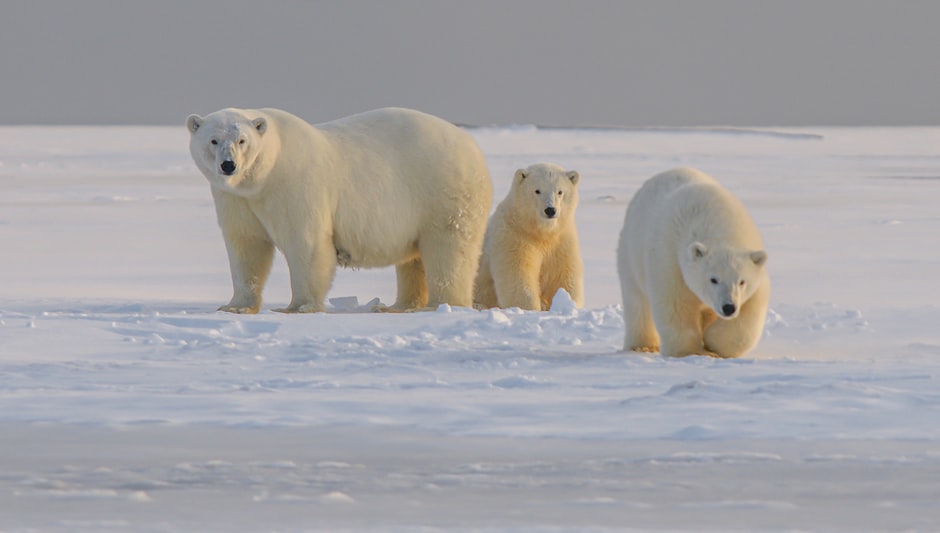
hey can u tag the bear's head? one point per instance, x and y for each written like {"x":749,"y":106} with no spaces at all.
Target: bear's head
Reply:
{"x":722,"y":278}
{"x":226,"y":146}
{"x":546,"y":192}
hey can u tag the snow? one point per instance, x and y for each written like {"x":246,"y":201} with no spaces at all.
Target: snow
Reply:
{"x":128,"y":404}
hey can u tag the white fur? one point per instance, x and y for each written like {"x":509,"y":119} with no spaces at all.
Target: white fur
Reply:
{"x":529,"y":255}
{"x":385,"y":187}
{"x":689,"y":253}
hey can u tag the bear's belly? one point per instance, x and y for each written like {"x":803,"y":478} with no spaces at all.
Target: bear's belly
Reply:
{"x":350,"y":256}
{"x":376,"y":236}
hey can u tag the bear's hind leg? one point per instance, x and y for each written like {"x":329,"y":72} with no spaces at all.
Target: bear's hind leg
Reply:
{"x":450,"y":266}
{"x":484,"y":291}
{"x":412,"y":286}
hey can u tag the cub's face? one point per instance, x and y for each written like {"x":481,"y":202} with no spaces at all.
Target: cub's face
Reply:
{"x":225,"y":146}
{"x":547,"y":192}
{"x":722,"y":279}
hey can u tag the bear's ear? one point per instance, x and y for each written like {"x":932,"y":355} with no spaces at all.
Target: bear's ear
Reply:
{"x":260,"y":124}
{"x":759,"y":257}
{"x":193,"y":123}
{"x":521,"y":174}
{"x":697,"y":250}
{"x":573,"y":176}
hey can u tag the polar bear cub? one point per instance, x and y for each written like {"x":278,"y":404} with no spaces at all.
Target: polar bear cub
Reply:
{"x":386,"y":187}
{"x":531,"y":247}
{"x":692,"y":269}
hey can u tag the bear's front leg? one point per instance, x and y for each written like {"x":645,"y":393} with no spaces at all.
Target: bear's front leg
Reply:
{"x":250,"y":252}
{"x":680,"y":342}
{"x":735,"y":337}
{"x":567,"y":268}
{"x":311,"y":274}
{"x":676,"y":311}
{"x":639,"y":330}
{"x":516,"y":278}
{"x":250,"y":262}
{"x":680,"y":329}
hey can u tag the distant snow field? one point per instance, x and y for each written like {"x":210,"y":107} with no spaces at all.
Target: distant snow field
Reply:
{"x":128,"y":404}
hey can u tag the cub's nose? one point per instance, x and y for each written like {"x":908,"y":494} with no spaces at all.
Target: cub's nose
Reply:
{"x":228,"y":167}
{"x":550,"y":212}
{"x":728,"y":309}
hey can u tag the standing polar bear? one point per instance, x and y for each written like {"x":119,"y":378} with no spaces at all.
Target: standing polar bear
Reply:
{"x":531,"y":248}
{"x":692,"y":269}
{"x":386,"y":187}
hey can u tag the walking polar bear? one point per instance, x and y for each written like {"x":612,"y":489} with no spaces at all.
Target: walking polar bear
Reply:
{"x":692,"y":269}
{"x":386,"y":187}
{"x":531,"y":248}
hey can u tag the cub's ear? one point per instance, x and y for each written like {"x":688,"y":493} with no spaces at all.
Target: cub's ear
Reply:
{"x":573,"y":176}
{"x":759,"y":257}
{"x":193,"y":123}
{"x":260,"y":124}
{"x":521,"y":174}
{"x":697,"y":250}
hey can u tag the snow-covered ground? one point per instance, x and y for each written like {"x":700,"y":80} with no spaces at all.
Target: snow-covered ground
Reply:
{"x":128,"y":404}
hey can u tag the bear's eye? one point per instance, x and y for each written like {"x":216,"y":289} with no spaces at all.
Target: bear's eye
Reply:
{"x":742,"y":283}
{"x":537,"y":191}
{"x":213,"y":141}
{"x":714,"y":281}
{"x":241,"y":141}
{"x":559,"y":193}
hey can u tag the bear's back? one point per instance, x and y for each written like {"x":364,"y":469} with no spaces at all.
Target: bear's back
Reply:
{"x":411,"y":142}
{"x":659,"y":188}
{"x":652,"y":209}
{"x":286,"y":124}
{"x":398,"y":123}
{"x":677,"y":207}
{"x":706,"y":211}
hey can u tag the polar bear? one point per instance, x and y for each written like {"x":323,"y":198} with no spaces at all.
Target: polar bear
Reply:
{"x":531,"y":248}
{"x":692,"y":269}
{"x":385,"y":187}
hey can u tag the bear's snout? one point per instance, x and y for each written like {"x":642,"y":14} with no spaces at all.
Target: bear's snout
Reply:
{"x":228,"y":167}
{"x":728,"y":309}
{"x":550,"y":212}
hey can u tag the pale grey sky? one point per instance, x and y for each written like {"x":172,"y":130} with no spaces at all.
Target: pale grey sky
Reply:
{"x":556,"y":62}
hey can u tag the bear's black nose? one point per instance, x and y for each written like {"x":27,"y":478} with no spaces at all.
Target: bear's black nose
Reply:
{"x":550,"y":212}
{"x":228,"y":167}
{"x":728,"y":309}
